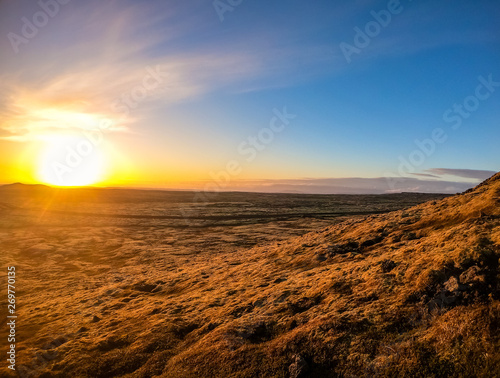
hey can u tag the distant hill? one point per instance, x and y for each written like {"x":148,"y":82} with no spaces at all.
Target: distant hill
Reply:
{"x":20,"y":186}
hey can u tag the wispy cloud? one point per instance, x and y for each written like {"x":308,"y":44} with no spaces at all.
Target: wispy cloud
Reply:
{"x":104,"y":51}
{"x":84,"y":82}
{"x":475,"y":174}
{"x":424,"y":175}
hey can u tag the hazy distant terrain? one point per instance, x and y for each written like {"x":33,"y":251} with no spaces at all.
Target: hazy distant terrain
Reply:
{"x":179,"y":209}
{"x":120,"y":283}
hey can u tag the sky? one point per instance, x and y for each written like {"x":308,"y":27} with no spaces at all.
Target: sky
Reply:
{"x":291,"y":96}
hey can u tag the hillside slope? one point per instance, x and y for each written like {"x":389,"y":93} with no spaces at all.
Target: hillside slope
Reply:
{"x":412,"y":293}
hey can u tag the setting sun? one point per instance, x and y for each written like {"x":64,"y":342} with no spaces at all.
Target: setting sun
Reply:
{"x":70,"y":161}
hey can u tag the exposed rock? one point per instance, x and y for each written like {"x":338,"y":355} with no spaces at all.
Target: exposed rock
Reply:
{"x":111,"y":343}
{"x":387,"y":265}
{"x":343,"y":248}
{"x":372,"y":242}
{"x":453,"y":285}
{"x":321,"y":257}
{"x":298,"y":368}
{"x":144,"y":287}
{"x":257,"y":332}
{"x":303,"y":304}
{"x":472,"y":276}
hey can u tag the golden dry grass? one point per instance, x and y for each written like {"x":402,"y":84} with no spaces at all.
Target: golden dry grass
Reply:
{"x":410,"y":293}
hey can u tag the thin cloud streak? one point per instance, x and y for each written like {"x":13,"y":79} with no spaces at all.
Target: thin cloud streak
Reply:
{"x":475,"y":174}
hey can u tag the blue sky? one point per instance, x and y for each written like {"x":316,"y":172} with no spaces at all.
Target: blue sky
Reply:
{"x":223,"y":80}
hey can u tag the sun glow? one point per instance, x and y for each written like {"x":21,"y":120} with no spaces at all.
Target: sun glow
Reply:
{"x":71,"y":161}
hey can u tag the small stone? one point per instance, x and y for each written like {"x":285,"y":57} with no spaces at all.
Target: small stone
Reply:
{"x":95,"y":319}
{"x":212,"y":326}
{"x":321,"y":257}
{"x":451,"y":285}
{"x":472,"y":276}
